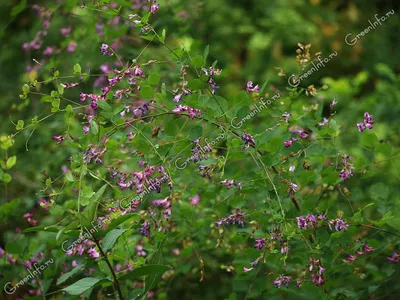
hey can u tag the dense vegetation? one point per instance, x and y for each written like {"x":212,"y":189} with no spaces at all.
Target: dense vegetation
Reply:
{"x":199,"y":150}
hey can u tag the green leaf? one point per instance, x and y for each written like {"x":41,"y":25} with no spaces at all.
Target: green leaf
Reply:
{"x":198,"y":61}
{"x":154,"y":78}
{"x":203,"y":100}
{"x":369,"y":139}
{"x":195,"y":84}
{"x":6,"y":178}
{"x":77,"y":69}
{"x":65,"y":276}
{"x":147,"y":92}
{"x":82,"y":285}
{"x":111,"y":238}
{"x":11,"y":161}
{"x":20,"y":125}
{"x":17,"y":9}
{"x":91,"y":209}
{"x":206,"y":51}
{"x":104,"y":105}
{"x":145,"y":271}
{"x":94,"y":127}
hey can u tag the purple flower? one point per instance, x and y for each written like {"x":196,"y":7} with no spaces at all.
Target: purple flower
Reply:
{"x":195,"y":200}
{"x":230,"y":182}
{"x":360,"y":127}
{"x":27,"y":264}
{"x":367,"y":124}
{"x":86,"y":129}
{"x":44,"y":204}
{"x":282,"y":280}
{"x":236,"y":218}
{"x":65,"y":31}
{"x":58,"y":138}
{"x":2,"y":252}
{"x":71,"y":47}
{"x":192,"y":111}
{"x":93,"y":253}
{"x":154,"y":8}
{"x":248,"y":140}
{"x":309,"y":221}
{"x":250,"y":87}
{"x":324,"y":122}
{"x":368,"y":248}
{"x":260,"y":243}
{"x":11,"y":260}
{"x":290,"y":142}
{"x":339,"y":224}
{"x":105,"y":50}
{"x":395,"y":258}
{"x":145,"y":229}
{"x":74,"y":264}
{"x":351,"y":257}
{"x":292,"y":168}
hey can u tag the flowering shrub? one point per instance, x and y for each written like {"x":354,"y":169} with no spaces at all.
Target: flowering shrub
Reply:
{"x":273,"y":202}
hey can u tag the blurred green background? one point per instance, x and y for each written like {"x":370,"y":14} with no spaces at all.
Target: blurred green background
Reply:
{"x":251,"y":40}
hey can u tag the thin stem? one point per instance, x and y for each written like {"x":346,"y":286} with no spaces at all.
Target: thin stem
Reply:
{"x":115,"y":281}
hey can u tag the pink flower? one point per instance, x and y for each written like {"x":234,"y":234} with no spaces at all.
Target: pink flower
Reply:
{"x":71,"y":47}
{"x":65,"y":31}
{"x":195,"y":200}
{"x":250,"y":87}
{"x":154,"y":7}
{"x":58,"y":138}
{"x":351,"y":258}
{"x":93,"y":253}
{"x":74,"y":264}
{"x":395,"y":258}
{"x":247,"y":269}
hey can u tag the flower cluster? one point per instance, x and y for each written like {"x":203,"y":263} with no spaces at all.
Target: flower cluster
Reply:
{"x":316,"y":271}
{"x":250,"y":88}
{"x":199,"y":152}
{"x":395,"y":258}
{"x":211,"y":72}
{"x":140,"y":180}
{"x":94,"y":153}
{"x":28,"y":216}
{"x":192,"y":111}
{"x":248,"y":140}
{"x":260,"y":243}
{"x":365,"y":249}
{"x":106,"y":50}
{"x":183,"y":91}
{"x":229,"y":182}
{"x":236,"y":218}
{"x":282,"y":280}
{"x":338,"y":224}
{"x":292,"y":189}
{"x":195,"y":200}
{"x":154,"y":7}
{"x":367,"y":124}
{"x":309,"y":221}
{"x":45,"y":204}
{"x":137,"y":111}
{"x":166,"y":203}
{"x":145,"y":229}
{"x":347,"y":169}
